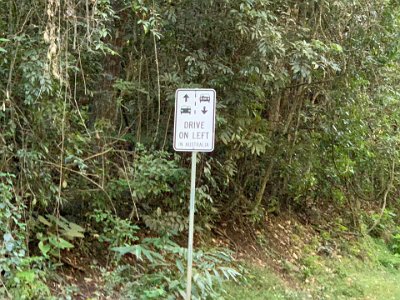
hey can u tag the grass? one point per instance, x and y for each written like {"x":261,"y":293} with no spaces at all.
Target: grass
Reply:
{"x":260,"y":284}
{"x":369,"y":272}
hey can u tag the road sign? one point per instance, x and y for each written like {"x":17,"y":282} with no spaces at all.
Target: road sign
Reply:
{"x":194,"y":131}
{"x":194,"y":125}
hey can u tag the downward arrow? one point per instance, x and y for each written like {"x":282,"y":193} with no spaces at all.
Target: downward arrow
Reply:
{"x":186,"y":97}
{"x":204,"y":110}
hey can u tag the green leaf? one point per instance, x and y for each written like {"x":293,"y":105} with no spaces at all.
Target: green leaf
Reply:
{"x":336,"y":47}
{"x":44,"y":248}
{"x":128,"y":249}
{"x":58,"y":221}
{"x":42,"y":219}
{"x":75,"y":231}
{"x":60,"y":243}
{"x":27,"y":276}
{"x":71,"y":233}
{"x":151,"y":255}
{"x":76,"y":227}
{"x":180,"y":266}
{"x":209,"y":279}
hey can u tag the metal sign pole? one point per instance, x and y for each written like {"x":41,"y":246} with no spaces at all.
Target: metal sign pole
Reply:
{"x":191,"y":227}
{"x":194,"y":131}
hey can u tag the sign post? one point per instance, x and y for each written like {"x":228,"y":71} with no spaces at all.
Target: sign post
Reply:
{"x":194,"y":131}
{"x":191,"y":227}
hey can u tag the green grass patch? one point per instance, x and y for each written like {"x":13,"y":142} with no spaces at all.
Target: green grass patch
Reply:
{"x":261,"y":283}
{"x":370,"y":272}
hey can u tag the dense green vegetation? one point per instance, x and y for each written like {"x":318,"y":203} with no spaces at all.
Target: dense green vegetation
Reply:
{"x":307,"y":122}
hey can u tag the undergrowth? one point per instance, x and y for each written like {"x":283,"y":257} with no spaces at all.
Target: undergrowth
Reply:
{"x":369,"y":269}
{"x":22,"y":276}
{"x":155,"y":267}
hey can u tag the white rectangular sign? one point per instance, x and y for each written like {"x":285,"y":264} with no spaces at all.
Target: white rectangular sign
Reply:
{"x":194,"y":126}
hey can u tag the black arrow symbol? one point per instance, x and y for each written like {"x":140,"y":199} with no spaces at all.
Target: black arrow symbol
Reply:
{"x":204,"y":110}
{"x":186,"y":97}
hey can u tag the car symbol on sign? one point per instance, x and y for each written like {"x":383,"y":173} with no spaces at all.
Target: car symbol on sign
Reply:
{"x":204,"y":98}
{"x":186,"y":110}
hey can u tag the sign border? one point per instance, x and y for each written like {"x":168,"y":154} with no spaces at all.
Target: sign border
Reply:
{"x":213,"y":124}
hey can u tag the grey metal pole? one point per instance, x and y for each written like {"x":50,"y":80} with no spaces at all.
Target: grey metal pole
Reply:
{"x":191,"y":227}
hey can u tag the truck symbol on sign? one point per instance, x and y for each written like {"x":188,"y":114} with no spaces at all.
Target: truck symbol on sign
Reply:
{"x":204,"y":98}
{"x":186,"y":110}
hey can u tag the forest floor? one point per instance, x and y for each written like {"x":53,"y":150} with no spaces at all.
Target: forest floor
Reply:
{"x":291,"y":260}
{"x":286,"y":258}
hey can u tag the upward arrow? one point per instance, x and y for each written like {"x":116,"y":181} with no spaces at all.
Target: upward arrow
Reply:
{"x":186,"y":97}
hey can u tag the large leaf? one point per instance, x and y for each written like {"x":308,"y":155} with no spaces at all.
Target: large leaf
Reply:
{"x":72,"y":233}
{"x":60,"y":243}
{"x":125,"y":250}
{"x":44,"y":248}
{"x":61,"y":223}
{"x":43,"y":220}
{"x":76,"y":227}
